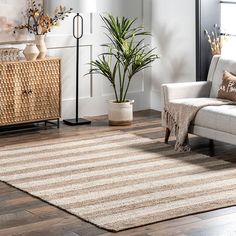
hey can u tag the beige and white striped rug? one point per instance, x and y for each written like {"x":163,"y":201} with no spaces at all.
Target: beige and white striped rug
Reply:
{"x":118,"y":180}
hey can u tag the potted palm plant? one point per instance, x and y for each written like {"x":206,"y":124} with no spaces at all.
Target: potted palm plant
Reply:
{"x":126,"y":55}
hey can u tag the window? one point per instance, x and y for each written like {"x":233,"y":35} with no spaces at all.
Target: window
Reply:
{"x":228,"y":16}
{"x":228,"y":19}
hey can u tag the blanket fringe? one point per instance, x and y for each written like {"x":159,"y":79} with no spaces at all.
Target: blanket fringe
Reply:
{"x":172,"y":125}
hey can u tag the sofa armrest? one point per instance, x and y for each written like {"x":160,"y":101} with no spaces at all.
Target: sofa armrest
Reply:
{"x":185,"y":90}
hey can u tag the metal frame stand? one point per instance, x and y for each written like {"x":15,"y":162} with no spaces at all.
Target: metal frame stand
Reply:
{"x":52,"y":123}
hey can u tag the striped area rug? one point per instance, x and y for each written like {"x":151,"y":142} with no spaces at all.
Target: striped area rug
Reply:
{"x":117,"y":180}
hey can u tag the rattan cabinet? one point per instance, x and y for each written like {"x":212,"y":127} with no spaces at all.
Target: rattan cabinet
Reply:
{"x":29,"y":91}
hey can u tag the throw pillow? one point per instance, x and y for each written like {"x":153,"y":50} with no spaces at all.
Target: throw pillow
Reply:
{"x":227,"y":89}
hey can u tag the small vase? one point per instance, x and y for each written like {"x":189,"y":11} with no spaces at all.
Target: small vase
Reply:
{"x":40,"y":43}
{"x":31,"y":52}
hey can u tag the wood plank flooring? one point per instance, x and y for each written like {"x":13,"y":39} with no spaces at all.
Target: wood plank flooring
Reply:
{"x":21,"y":214}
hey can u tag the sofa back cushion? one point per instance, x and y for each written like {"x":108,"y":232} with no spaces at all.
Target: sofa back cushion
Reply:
{"x":216,"y":72}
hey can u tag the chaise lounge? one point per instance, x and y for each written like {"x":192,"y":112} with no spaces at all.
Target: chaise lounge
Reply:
{"x":212,"y":122}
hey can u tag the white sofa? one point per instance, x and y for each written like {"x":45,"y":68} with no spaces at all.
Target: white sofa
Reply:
{"x":212,"y":122}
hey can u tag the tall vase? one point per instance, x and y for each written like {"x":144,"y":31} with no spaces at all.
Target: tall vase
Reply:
{"x":40,"y":43}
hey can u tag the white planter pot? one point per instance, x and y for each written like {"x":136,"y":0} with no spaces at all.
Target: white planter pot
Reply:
{"x":31,"y":52}
{"x":120,"y":113}
{"x":40,"y":43}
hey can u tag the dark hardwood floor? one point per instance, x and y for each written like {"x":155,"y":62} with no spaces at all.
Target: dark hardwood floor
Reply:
{"x":21,"y":214}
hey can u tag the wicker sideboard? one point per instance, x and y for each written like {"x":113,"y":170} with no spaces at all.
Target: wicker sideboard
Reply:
{"x":29,"y":91}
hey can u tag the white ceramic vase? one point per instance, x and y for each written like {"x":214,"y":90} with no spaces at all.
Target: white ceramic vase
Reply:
{"x":31,"y":52}
{"x":120,"y":114}
{"x":40,"y":43}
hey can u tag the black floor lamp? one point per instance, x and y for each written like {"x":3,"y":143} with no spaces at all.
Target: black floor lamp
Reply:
{"x":78,"y":6}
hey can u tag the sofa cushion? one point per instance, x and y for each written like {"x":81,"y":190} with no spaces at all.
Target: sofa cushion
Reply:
{"x":227,"y":89}
{"x":222,"y":66}
{"x":221,"y":118}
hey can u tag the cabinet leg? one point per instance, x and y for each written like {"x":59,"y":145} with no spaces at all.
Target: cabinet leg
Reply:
{"x":167,"y":135}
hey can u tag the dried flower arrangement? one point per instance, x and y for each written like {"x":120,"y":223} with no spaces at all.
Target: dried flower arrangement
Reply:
{"x":39,"y":23}
{"x":216,"y":40}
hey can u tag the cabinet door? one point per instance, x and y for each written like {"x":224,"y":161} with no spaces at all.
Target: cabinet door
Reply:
{"x":22,"y":105}
{"x":44,"y":90}
{"x":7,"y":93}
{"x":53,"y":89}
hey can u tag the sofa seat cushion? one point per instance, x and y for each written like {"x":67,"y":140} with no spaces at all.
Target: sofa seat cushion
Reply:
{"x":221,"y":118}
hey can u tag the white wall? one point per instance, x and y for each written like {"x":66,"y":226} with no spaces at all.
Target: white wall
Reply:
{"x":95,"y":91}
{"x":173,"y":24}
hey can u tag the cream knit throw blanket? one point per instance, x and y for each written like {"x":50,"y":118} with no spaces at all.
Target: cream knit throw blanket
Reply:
{"x":179,"y":113}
